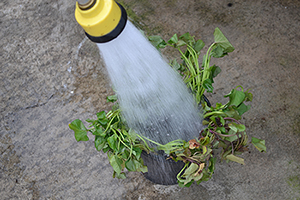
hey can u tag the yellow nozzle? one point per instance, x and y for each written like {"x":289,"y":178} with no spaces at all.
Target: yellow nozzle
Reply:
{"x":100,"y":17}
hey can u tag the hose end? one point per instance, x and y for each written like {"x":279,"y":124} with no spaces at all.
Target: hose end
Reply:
{"x":102,"y":20}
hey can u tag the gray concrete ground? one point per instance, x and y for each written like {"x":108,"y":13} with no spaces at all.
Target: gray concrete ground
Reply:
{"x":50,"y":75}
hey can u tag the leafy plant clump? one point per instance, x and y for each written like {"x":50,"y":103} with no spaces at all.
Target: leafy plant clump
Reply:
{"x":223,"y":128}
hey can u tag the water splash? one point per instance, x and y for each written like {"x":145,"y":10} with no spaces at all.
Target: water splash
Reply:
{"x":154,"y":100}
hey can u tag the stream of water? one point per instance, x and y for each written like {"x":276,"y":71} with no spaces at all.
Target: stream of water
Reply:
{"x":154,"y":100}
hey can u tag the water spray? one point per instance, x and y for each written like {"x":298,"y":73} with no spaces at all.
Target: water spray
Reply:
{"x":153,"y":98}
{"x":102,"y":20}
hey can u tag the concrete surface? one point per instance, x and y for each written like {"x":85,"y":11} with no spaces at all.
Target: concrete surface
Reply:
{"x":50,"y":75}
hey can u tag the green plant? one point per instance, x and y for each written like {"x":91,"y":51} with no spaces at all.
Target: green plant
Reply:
{"x":223,"y":128}
{"x":113,"y":137}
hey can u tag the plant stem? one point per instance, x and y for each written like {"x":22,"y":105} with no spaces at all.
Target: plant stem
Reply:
{"x":214,"y":132}
{"x":212,"y":113}
{"x":230,"y":118}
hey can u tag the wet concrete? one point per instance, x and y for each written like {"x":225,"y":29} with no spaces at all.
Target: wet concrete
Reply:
{"x":50,"y":75}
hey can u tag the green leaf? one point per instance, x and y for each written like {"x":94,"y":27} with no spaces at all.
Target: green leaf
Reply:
{"x":138,"y":152}
{"x":231,"y":112}
{"x":99,"y":131}
{"x":205,"y":177}
{"x":231,"y":132}
{"x":130,"y":165}
{"x":259,"y":144}
{"x":142,"y":168}
{"x":207,"y":84}
{"x":212,"y":163}
{"x":173,"y":39}
{"x":112,"y":98}
{"x":222,"y":129}
{"x":79,"y":130}
{"x":185,"y":184}
{"x":101,"y":115}
{"x":155,"y":39}
{"x":199,"y":46}
{"x":232,"y":138}
{"x":116,"y":163}
{"x":249,"y":96}
{"x":235,"y":159}
{"x":99,"y":142}
{"x":187,"y":38}
{"x":102,"y":118}
{"x":175,"y":64}
{"x":103,"y":122}
{"x":112,"y":142}
{"x":240,"y":127}
{"x":180,"y":43}
{"x":217,"y":51}
{"x":139,"y":166}
{"x":237,"y":127}
{"x":132,"y":134}
{"x":215,"y":70}
{"x":222,"y":120}
{"x":125,"y":154}
{"x":90,"y":120}
{"x":236,"y":97}
{"x":106,"y":148}
{"x":119,"y":176}
{"x":243,"y":108}
{"x":221,"y":40}
{"x":157,"y":42}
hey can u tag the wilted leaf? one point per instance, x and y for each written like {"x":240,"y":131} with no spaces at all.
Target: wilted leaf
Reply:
{"x":193,"y":144}
{"x":202,"y":165}
{"x":259,"y":144}
{"x":197,"y":176}
{"x":204,"y":149}
{"x":235,"y":159}
{"x":190,"y":170}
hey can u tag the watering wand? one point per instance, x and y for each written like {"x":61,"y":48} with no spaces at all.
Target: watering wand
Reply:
{"x":102,"y":20}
